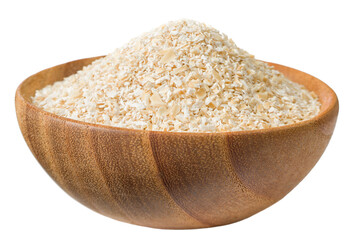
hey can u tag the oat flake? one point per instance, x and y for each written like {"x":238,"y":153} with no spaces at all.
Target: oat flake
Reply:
{"x":183,"y":76}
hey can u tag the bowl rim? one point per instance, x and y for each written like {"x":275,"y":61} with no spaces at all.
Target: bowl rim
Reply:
{"x":331,"y":105}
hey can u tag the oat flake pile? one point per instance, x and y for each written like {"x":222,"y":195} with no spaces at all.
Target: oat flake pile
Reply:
{"x":184,"y":76}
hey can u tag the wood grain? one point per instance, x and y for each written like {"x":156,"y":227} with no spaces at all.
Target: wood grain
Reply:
{"x":173,"y":180}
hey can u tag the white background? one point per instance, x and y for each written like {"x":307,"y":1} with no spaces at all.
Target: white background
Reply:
{"x":318,"y":37}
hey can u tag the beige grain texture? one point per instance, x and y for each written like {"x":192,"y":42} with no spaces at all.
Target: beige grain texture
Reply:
{"x":184,"y":76}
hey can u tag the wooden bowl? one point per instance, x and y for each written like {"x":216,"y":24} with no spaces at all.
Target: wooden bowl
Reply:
{"x":173,"y":180}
